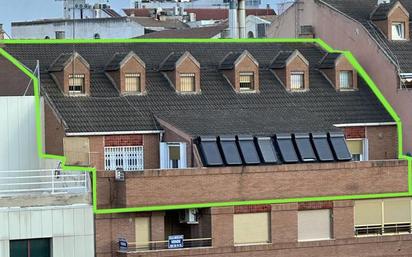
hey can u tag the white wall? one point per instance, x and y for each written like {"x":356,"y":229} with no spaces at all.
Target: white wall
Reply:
{"x":71,"y":228}
{"x":18,"y":146}
{"x":87,"y":28}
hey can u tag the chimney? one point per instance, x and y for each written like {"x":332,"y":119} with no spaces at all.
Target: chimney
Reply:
{"x":233,"y":26}
{"x":241,"y":13}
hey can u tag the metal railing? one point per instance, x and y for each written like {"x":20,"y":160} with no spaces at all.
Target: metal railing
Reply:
{"x":163,"y":245}
{"x":53,"y":181}
{"x":387,"y":229}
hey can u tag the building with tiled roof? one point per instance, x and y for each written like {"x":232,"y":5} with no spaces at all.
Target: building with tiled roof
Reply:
{"x":376,"y":32}
{"x":196,"y":144}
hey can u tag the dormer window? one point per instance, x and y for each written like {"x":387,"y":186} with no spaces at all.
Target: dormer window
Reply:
{"x":127,"y":72}
{"x":392,"y":19}
{"x":132,"y":82}
{"x":346,"y":79}
{"x":182,"y":70}
{"x":246,"y":80}
{"x":71,"y":72}
{"x":76,"y":84}
{"x":241,"y":70}
{"x":297,"y":80}
{"x":291,"y":69}
{"x":339,"y":71}
{"x":187,"y":82}
{"x":398,"y":31}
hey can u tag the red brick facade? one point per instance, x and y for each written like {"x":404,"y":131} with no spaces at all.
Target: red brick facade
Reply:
{"x":123,"y":140}
{"x":355,"y":132}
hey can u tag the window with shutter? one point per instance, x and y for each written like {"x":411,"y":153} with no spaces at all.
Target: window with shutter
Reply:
{"x":132,"y":82}
{"x":314,"y":225}
{"x":251,"y":228}
{"x":297,"y":81}
{"x":187,"y":82}
{"x":76,"y":84}
{"x":345,"y":79}
{"x":246,"y":81}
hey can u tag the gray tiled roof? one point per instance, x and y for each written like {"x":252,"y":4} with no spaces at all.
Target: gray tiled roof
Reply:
{"x":60,"y":62}
{"x":229,"y":61}
{"x":399,"y":52}
{"x":218,"y":109}
{"x":328,"y":62}
{"x":114,"y":63}
{"x":279,"y":61}
{"x":169,"y":64}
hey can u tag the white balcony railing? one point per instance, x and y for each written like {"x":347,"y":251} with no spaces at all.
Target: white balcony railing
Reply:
{"x":53,"y":181}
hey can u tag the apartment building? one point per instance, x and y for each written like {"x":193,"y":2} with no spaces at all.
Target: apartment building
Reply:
{"x":44,"y":210}
{"x":377,"y":32}
{"x":212,"y":125}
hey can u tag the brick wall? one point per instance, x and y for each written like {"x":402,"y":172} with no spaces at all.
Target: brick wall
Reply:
{"x":355,"y":132}
{"x":54,"y":132}
{"x":12,"y":80}
{"x":123,"y":140}
{"x":383,"y":142}
{"x":244,"y":65}
{"x":202,"y":185}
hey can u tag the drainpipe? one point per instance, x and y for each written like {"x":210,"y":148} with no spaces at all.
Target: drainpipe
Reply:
{"x":241,"y":12}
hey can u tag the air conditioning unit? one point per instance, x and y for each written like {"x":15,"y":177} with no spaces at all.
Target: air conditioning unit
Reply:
{"x":189,"y":216}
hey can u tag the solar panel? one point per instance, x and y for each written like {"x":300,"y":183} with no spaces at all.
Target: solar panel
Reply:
{"x":339,"y":147}
{"x":266,"y":150}
{"x":304,"y":147}
{"x":322,"y":147}
{"x":210,"y":151}
{"x":248,"y":150}
{"x":286,"y":148}
{"x":230,"y":151}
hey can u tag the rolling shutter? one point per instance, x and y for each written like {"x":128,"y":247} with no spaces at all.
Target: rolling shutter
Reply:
{"x":142,"y":230}
{"x":251,"y":228}
{"x":314,"y":225}
{"x":368,"y":212}
{"x":397,"y":211}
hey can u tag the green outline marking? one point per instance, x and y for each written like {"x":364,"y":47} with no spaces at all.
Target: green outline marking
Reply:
{"x":93,"y":172}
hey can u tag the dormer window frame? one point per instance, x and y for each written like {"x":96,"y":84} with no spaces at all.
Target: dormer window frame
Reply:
{"x":346,"y":81}
{"x":398,"y":31}
{"x":128,"y":78}
{"x":301,"y":74}
{"x":76,"y":78}
{"x":251,"y":76}
{"x":187,"y":75}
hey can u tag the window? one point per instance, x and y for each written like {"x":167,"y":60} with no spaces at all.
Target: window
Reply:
{"x":304,"y":147}
{"x":345,"y":79}
{"x":246,"y":81}
{"x":60,"y":34}
{"x":398,"y":31}
{"x":297,"y":81}
{"x":187,"y":82}
{"x":132,"y":82}
{"x":378,"y":217}
{"x":358,"y":149}
{"x":286,"y":148}
{"x":210,"y":151}
{"x":339,"y":147}
{"x":96,"y":36}
{"x":76,"y":84}
{"x":230,"y":150}
{"x":322,"y":147}
{"x":251,"y":228}
{"x":248,"y":150}
{"x":128,"y":158}
{"x":30,"y":248}
{"x":267,"y":150}
{"x":314,"y":225}
{"x":406,"y":81}
{"x":173,"y":156}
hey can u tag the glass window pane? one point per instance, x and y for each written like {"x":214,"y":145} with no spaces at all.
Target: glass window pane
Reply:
{"x":304,"y":147}
{"x":132,"y":82}
{"x":174,"y":152}
{"x":346,"y":79}
{"x":297,"y":81}
{"x":339,"y":147}
{"x":267,"y":150}
{"x":210,"y":152}
{"x":19,"y":248}
{"x":76,"y":84}
{"x":187,"y":82}
{"x":287,"y":149}
{"x":246,"y":81}
{"x":322,"y":147}
{"x":230,"y":151}
{"x":248,"y":150}
{"x":40,"y":247}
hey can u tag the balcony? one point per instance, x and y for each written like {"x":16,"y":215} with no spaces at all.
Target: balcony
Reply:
{"x":45,"y":181}
{"x":205,"y":185}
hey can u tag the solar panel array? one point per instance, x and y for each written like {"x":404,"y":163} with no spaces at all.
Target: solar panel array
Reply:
{"x":279,"y":149}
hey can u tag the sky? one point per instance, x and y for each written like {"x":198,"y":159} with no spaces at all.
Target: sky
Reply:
{"x":25,"y":10}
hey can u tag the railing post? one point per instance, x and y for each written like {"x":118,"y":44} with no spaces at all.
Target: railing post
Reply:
{"x":52,"y":180}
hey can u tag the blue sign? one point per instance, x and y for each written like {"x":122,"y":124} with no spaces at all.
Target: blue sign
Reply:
{"x":175,"y":242}
{"x":123,"y":244}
